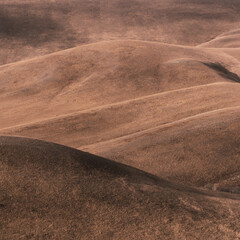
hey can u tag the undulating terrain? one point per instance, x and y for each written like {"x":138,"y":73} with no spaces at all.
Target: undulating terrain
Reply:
{"x":120,"y":119}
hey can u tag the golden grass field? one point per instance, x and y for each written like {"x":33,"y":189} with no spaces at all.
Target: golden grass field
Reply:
{"x":120,"y":119}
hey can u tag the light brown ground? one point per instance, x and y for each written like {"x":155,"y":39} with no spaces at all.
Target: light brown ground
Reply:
{"x":151,"y":84}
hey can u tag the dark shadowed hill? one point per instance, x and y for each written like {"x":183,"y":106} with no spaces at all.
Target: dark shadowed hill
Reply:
{"x":50,"y":191}
{"x":33,"y":28}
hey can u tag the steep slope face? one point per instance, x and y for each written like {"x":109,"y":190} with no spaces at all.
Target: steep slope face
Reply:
{"x":100,"y":74}
{"x":54,"y":192}
{"x":199,"y":150}
{"x":33,"y":28}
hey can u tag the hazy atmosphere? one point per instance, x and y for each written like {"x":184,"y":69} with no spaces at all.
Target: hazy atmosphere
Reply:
{"x":120,"y":119}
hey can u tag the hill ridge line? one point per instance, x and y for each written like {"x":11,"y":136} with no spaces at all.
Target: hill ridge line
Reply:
{"x":165,"y":125}
{"x":220,"y":36}
{"x":90,"y":44}
{"x":202,"y":45}
{"x":115,"y":104}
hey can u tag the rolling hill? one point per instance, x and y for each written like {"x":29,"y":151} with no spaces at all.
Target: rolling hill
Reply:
{"x":38,"y":27}
{"x":119,"y":119}
{"x":53,"y":192}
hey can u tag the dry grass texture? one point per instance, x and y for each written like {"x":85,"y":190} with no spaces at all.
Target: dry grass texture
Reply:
{"x":151,"y":88}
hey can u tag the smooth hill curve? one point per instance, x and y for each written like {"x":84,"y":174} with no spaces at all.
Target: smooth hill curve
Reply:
{"x":34,"y":28}
{"x":98,"y":74}
{"x":234,"y":52}
{"x":127,"y":117}
{"x":153,"y":85}
{"x":228,"y":41}
{"x":199,"y":150}
{"x":49,"y":191}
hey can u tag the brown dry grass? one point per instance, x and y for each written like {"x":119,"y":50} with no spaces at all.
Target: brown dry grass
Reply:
{"x":150,"y":84}
{"x":54,"y":192}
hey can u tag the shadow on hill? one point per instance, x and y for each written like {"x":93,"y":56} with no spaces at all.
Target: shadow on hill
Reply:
{"x":27,"y":24}
{"x":222,"y":71}
{"x":41,"y":157}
